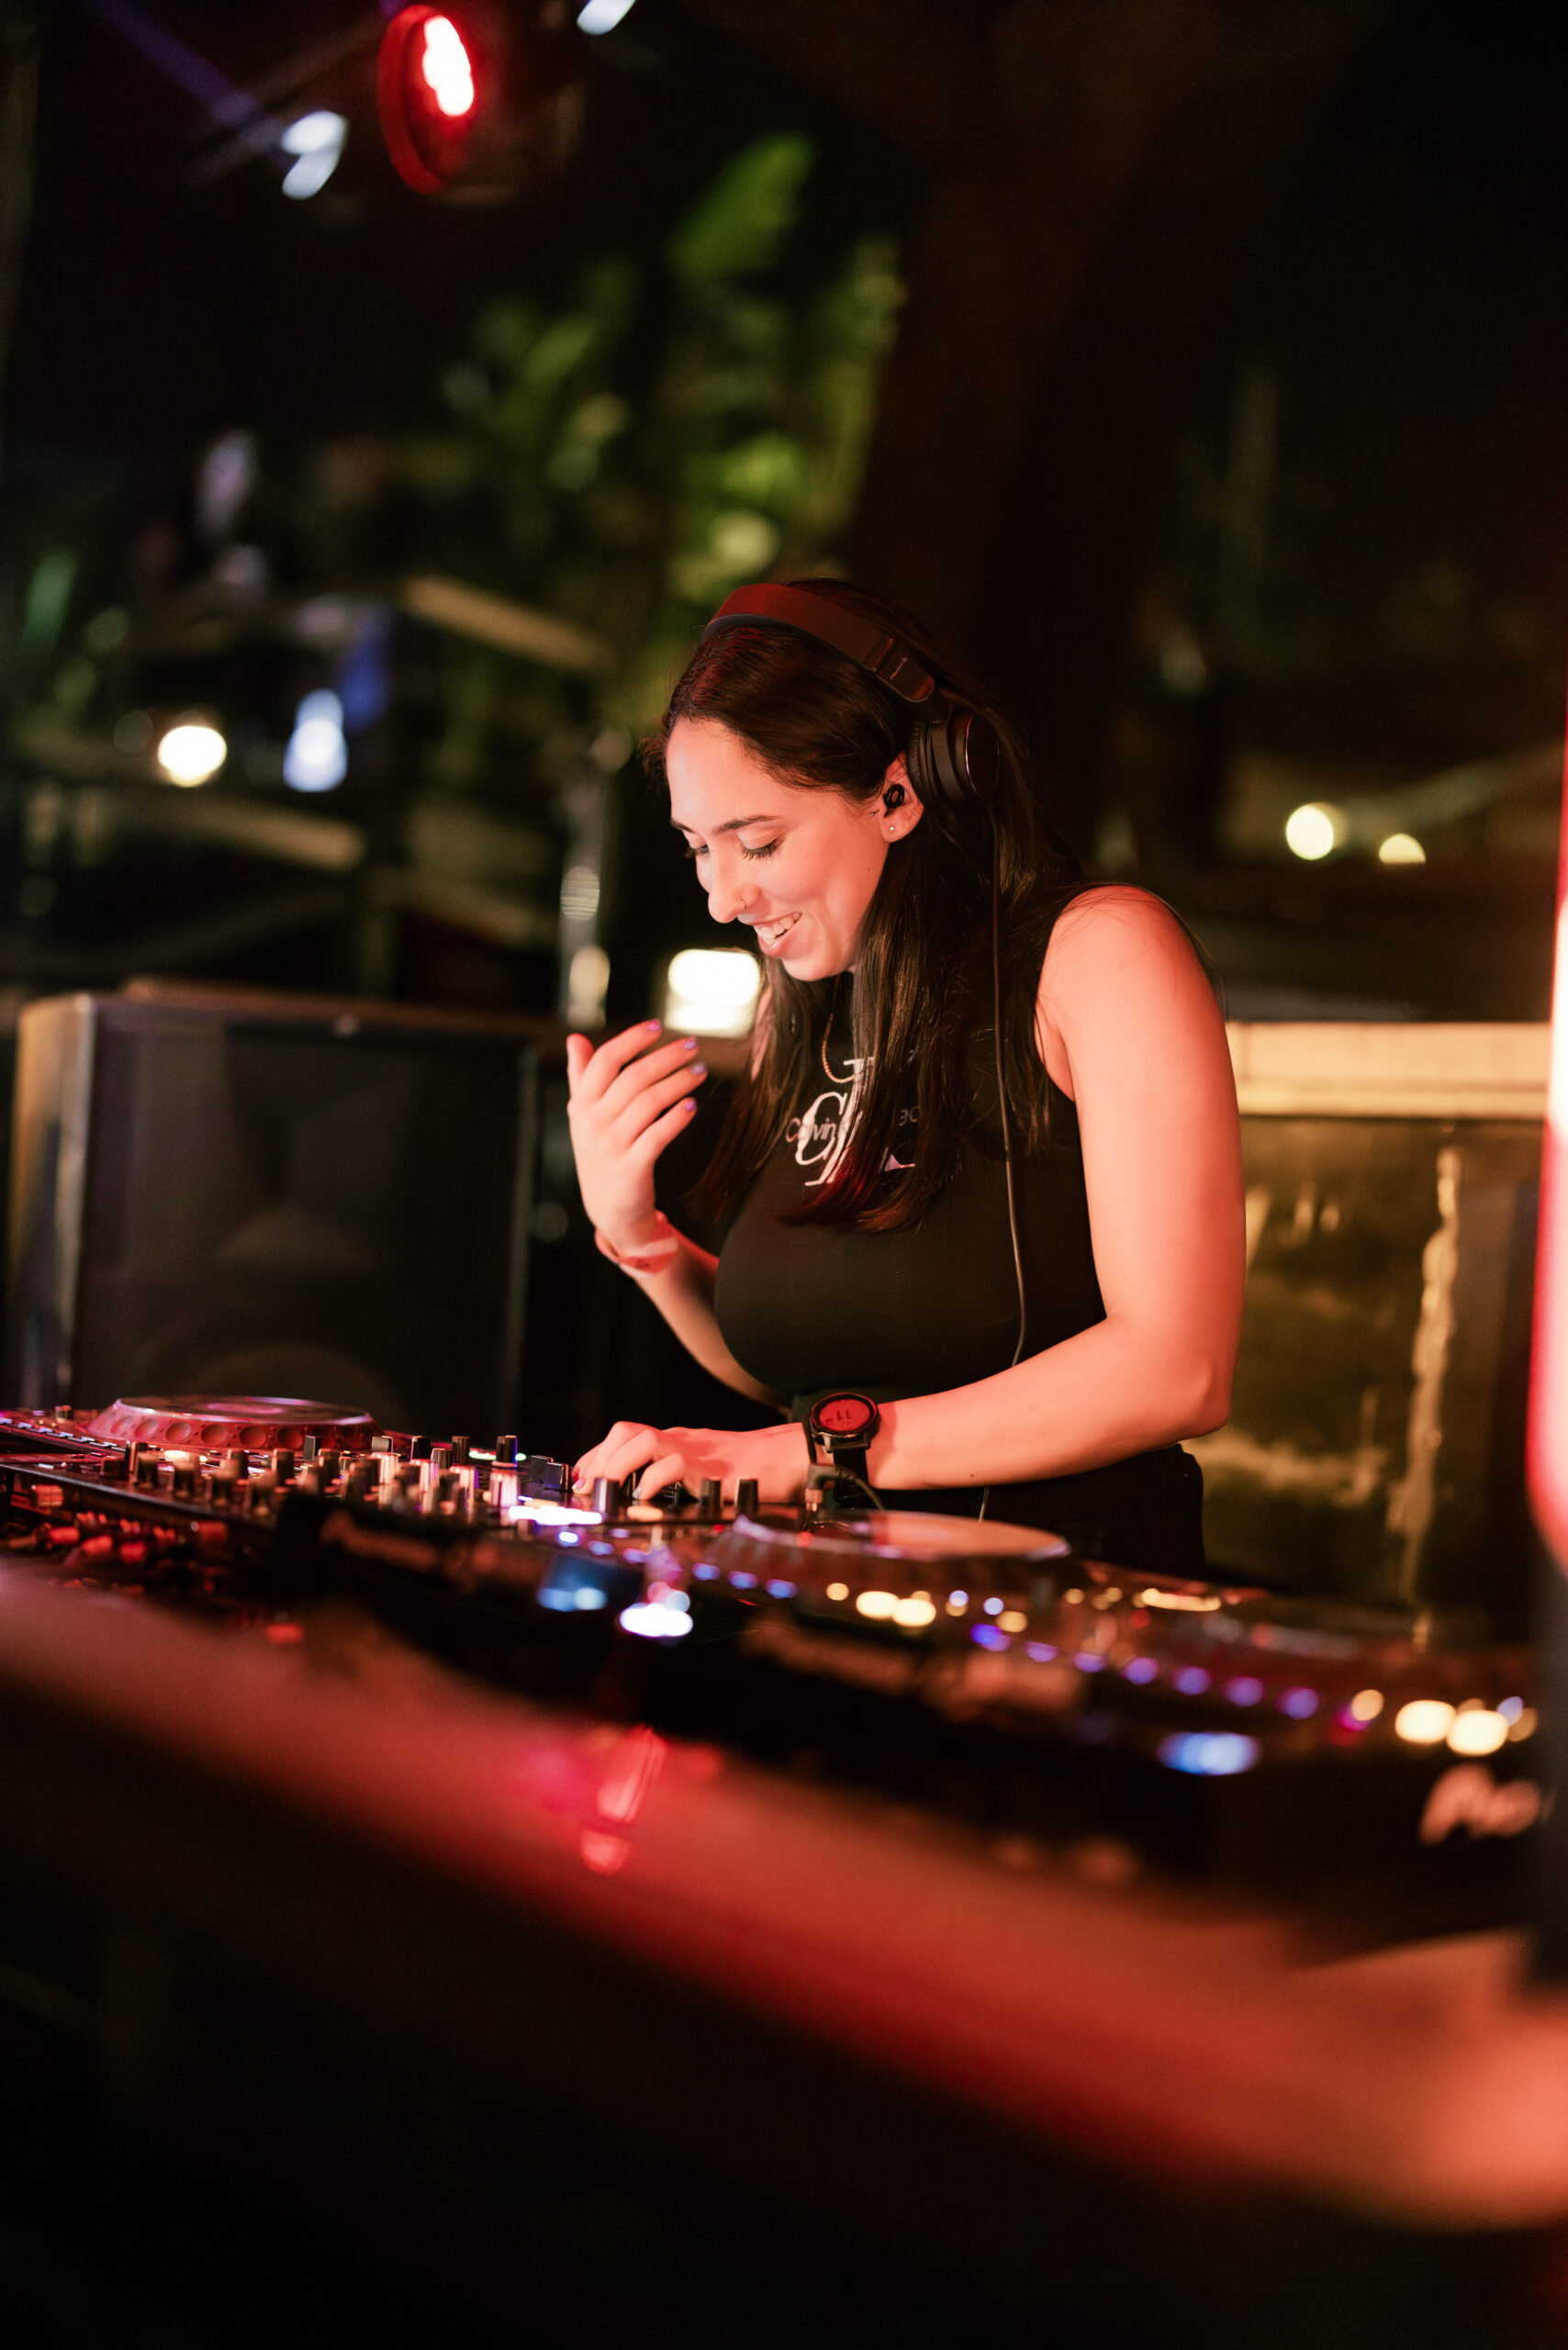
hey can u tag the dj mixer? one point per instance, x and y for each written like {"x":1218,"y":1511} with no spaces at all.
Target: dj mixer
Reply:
{"x":1364,"y":1762}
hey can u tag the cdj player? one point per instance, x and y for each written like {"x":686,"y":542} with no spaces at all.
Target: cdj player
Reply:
{"x":1371,"y":1762}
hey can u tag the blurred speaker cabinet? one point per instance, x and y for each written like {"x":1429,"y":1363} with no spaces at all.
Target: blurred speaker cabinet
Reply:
{"x":227,"y":1193}
{"x":1376,"y":1448}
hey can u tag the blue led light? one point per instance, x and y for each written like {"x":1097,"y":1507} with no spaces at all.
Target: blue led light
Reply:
{"x":705,"y":1573}
{"x":1299,"y":1704}
{"x":742,"y":1580}
{"x":1191,"y":1681}
{"x":1141,"y":1669}
{"x":566,"y":1598}
{"x":994,"y":1606}
{"x":1245,"y":1690}
{"x":1088,"y":1661}
{"x":781,"y":1591}
{"x":567,"y":1537}
{"x":1209,"y":1754}
{"x":986,"y":1636}
{"x":1041,"y":1650}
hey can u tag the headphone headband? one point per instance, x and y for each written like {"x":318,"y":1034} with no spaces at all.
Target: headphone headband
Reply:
{"x":861,"y":641}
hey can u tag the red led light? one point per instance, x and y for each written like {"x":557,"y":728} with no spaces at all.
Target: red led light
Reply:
{"x":446,"y":68}
{"x":427,"y":93}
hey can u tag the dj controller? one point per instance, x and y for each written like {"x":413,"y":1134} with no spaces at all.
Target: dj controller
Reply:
{"x":1365,"y":1763}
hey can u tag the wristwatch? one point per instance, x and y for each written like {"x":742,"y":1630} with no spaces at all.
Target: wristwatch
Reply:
{"x":845,"y":1423}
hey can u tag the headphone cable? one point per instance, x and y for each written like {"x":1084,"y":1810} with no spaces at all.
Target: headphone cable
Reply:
{"x":1001,"y":1105}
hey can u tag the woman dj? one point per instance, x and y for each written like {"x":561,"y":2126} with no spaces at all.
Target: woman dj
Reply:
{"x":1017,"y":1298}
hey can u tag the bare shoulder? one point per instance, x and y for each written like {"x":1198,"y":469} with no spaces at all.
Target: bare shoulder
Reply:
{"x":1109,"y":929}
{"x":1122,"y":982}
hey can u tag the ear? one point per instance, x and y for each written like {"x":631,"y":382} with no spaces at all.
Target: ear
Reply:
{"x":898,"y":821}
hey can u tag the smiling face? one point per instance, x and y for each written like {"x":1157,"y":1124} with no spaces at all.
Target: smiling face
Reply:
{"x":798,"y":865}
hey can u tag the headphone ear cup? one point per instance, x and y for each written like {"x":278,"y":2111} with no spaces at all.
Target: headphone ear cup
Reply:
{"x":977,"y":754}
{"x":953,"y":760}
{"x":917,"y":759}
{"x":933,"y":769}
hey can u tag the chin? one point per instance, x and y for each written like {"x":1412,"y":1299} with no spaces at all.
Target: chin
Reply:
{"x":806,"y":968}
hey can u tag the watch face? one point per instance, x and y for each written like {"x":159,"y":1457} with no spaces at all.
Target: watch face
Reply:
{"x":845,"y":1414}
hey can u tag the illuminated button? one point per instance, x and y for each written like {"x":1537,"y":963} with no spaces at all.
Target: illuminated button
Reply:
{"x":655,"y":1620}
{"x":916,"y":1613}
{"x":1424,"y":1721}
{"x":838,"y":1591}
{"x":1245,"y":1690}
{"x":1013,"y":1620}
{"x":1209,"y":1754}
{"x":879,"y":1606}
{"x":1365,"y":1705}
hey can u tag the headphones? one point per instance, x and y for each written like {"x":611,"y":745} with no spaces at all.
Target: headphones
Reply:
{"x":952,"y":753}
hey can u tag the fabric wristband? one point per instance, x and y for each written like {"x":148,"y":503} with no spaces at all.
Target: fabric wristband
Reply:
{"x":652,"y":1255}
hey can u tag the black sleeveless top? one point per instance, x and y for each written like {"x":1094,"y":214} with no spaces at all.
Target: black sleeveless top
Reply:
{"x":808,"y":1308}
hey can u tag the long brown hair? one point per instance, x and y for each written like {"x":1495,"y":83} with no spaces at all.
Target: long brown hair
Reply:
{"x":818,"y":721}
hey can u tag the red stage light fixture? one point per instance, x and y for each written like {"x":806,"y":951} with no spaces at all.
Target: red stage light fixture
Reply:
{"x":474,"y":99}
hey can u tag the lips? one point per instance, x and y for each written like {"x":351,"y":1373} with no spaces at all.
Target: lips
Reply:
{"x":770,"y":936}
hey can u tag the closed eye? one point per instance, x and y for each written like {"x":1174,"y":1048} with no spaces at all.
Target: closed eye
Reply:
{"x":698,"y":849}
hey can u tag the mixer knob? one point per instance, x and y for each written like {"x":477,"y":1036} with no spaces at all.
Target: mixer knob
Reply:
{"x":420,"y":1448}
{"x":710,"y":1501}
{"x":459,"y":1449}
{"x":283,"y":1464}
{"x":506,"y":1451}
{"x":440,"y":1457}
{"x":607,"y":1496}
{"x":310,"y":1447}
{"x":747,"y":1500}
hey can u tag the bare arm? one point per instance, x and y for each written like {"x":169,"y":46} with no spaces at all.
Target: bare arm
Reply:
{"x":1129,"y":1027}
{"x":682,"y":1289}
{"x":627,"y":1103}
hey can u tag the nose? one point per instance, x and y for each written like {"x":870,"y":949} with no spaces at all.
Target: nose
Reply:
{"x":729,"y":893}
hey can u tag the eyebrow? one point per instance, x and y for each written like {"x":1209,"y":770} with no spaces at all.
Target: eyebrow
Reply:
{"x":735,"y":825}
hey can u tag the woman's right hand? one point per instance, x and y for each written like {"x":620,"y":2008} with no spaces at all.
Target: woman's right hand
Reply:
{"x":627,"y":1102}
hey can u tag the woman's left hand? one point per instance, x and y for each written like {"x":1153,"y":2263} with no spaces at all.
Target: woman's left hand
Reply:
{"x":776,"y":1457}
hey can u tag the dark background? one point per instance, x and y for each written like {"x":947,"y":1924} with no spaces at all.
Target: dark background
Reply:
{"x":1221,"y":426}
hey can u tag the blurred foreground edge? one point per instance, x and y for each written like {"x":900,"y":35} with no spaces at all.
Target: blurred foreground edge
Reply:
{"x":521,"y":1983}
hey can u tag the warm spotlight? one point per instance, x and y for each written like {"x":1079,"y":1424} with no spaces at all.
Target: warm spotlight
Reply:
{"x":1313,"y":830}
{"x":190,"y":752}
